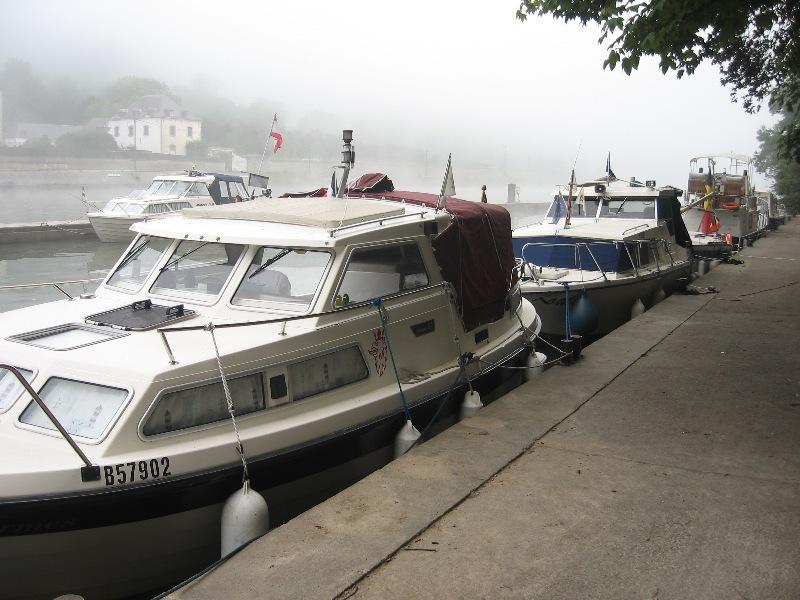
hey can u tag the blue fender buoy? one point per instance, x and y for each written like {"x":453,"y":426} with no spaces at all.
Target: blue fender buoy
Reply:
{"x":583,"y":318}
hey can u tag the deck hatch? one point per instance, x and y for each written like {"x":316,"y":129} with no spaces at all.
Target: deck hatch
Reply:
{"x":140,"y":316}
{"x":66,"y":337}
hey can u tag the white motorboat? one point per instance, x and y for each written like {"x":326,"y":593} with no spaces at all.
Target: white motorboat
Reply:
{"x":167,"y":194}
{"x":721,"y":211}
{"x":616,"y":249}
{"x":331,"y":321}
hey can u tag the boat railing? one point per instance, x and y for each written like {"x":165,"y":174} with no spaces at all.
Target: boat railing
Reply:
{"x":90,"y":471}
{"x":55,"y":284}
{"x":635,"y":227}
{"x":282,"y":321}
{"x":575,"y":245}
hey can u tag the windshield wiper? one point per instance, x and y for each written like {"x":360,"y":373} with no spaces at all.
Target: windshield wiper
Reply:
{"x":270,"y":262}
{"x":134,"y":252}
{"x":621,"y":205}
{"x":180,"y":258}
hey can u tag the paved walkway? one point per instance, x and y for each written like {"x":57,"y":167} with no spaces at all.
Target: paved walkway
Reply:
{"x":666,"y":464}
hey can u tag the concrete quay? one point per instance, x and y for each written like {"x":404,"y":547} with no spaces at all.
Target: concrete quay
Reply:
{"x":44,"y":232}
{"x":664,"y":464}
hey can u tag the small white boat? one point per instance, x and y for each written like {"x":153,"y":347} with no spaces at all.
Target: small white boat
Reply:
{"x":620,"y":248}
{"x":167,"y":194}
{"x":334,"y":321}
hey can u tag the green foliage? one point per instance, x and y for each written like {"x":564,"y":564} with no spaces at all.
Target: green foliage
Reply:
{"x":197,"y":150}
{"x":754,"y":42}
{"x":85,"y":143}
{"x":784,"y":171}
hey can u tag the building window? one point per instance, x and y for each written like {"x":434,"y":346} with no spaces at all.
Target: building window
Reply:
{"x":172,"y":148}
{"x":172,"y":130}
{"x":130,"y":130}
{"x":189,"y":132}
{"x":116,"y":131}
{"x":146,"y":130}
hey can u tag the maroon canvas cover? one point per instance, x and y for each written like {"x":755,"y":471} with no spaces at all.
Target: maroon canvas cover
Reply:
{"x":371,"y":183}
{"x":318,"y":193}
{"x":474,"y":252}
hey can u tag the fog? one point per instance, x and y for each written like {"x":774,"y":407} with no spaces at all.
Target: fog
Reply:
{"x":464,"y":77}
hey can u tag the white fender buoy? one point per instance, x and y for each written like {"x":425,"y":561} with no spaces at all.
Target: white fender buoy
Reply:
{"x":534,"y":364}
{"x":405,"y":438}
{"x":245,"y":516}
{"x":659,"y":295}
{"x":470,"y":405}
{"x":68,"y":597}
{"x":715,"y":263}
{"x":702,"y":267}
{"x":637,"y":308}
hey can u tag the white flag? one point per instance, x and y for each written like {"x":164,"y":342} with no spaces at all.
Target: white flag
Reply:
{"x":448,"y":185}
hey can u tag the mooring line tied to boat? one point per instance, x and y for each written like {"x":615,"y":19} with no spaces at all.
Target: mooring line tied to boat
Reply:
{"x":229,"y":400}
{"x":408,"y":434}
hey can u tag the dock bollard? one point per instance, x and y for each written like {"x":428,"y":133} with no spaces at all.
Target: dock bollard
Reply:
{"x":577,"y":346}
{"x":567,"y":347}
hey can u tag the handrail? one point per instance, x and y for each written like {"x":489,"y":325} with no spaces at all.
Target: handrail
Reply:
{"x":55,"y":284}
{"x":380,"y":221}
{"x":575,"y":245}
{"x":89,"y":472}
{"x":635,"y":227}
{"x":283,"y":320}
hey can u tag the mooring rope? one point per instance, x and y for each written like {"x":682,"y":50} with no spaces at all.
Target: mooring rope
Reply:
{"x":229,"y":400}
{"x":378,"y":303}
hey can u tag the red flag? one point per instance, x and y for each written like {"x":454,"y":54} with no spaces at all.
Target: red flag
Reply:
{"x":278,"y":140}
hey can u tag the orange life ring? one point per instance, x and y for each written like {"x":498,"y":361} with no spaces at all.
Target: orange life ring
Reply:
{"x":730,"y":205}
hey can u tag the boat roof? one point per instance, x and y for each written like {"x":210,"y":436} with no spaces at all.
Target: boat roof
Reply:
{"x":197,"y":176}
{"x":325,"y":213}
{"x":730,"y":155}
{"x":595,"y":229}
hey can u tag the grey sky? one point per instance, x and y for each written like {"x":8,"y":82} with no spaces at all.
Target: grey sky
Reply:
{"x":449,"y":75}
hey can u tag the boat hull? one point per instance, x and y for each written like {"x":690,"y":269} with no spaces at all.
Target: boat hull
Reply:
{"x":113,"y":228}
{"x":612,"y":299}
{"x":124,"y":542}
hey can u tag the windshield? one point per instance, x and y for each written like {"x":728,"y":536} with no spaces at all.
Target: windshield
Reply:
{"x":580,"y":208}
{"x":197,"y":268}
{"x":168,"y":187}
{"x":137,"y":264}
{"x":284,"y":275}
{"x":628,"y":208}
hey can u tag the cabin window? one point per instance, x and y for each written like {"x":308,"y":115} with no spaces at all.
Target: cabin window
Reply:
{"x":146,"y":130}
{"x":189,"y":132}
{"x":172,"y":130}
{"x":84,"y":409}
{"x":138,"y":262}
{"x":327,"y":372}
{"x":629,"y":208}
{"x":205,"y":404}
{"x":378,"y":271}
{"x":197,"y":268}
{"x":10,"y":387}
{"x":130,"y":130}
{"x":290,"y":276}
{"x":198,"y":189}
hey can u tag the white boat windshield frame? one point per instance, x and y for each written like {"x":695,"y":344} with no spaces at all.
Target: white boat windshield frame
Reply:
{"x":275,"y":287}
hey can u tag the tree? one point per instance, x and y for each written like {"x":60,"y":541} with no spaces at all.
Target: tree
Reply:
{"x":785,"y":172}
{"x":752,"y":41}
{"x":85,"y":143}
